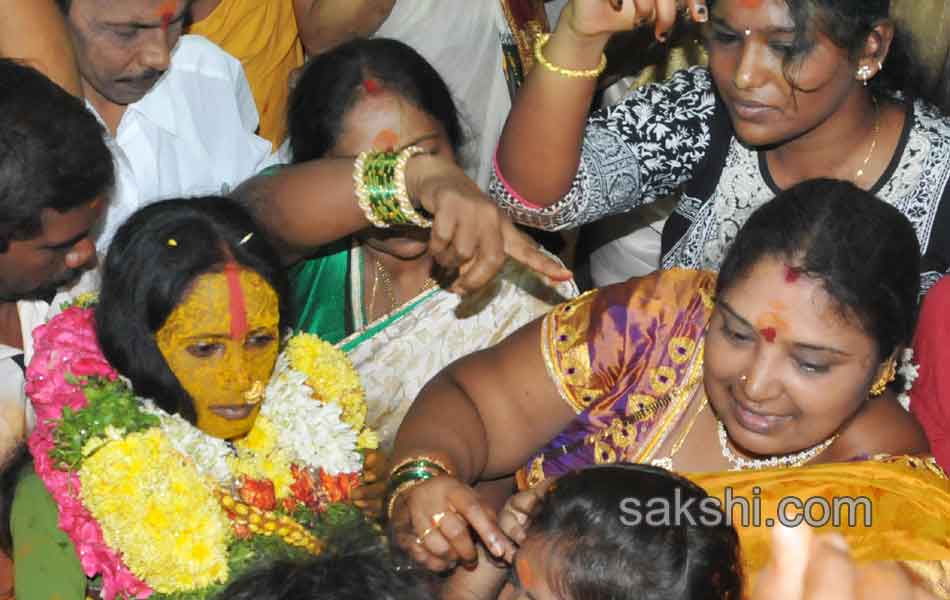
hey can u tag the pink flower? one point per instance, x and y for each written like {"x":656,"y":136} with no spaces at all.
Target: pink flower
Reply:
{"x":66,"y":347}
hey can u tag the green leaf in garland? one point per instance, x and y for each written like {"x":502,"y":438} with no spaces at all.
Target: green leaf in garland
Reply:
{"x":111,"y":404}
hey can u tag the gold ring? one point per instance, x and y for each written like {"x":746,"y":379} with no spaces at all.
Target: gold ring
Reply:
{"x":424,"y":534}
{"x":436,"y":518}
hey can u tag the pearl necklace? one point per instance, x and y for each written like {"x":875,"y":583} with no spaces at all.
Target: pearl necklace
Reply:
{"x":789,"y":460}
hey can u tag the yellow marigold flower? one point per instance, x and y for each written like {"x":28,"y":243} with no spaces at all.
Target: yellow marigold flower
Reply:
{"x":153,"y":505}
{"x":330,"y":374}
{"x":368,"y":440}
{"x":262,"y":438}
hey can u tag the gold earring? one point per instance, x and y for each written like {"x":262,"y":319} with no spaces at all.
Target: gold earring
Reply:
{"x":890,"y":372}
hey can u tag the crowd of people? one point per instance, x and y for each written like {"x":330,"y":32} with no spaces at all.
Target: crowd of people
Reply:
{"x":288,"y":305}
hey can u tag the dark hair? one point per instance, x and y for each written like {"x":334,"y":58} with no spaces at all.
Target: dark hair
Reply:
{"x":603,"y":552}
{"x":64,"y":5}
{"x":145,"y":277}
{"x":52,"y":152}
{"x":332,"y":83}
{"x":342,"y":577}
{"x":863,"y":251}
{"x":848,"y":23}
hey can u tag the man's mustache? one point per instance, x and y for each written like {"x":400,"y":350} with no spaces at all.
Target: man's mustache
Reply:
{"x":149,"y":76}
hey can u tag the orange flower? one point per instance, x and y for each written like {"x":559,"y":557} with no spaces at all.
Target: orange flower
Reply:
{"x":258,"y":492}
{"x":304,"y":487}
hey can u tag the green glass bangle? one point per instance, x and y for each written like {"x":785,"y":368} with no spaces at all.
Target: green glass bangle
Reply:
{"x":409,"y":475}
{"x":379,"y":178}
{"x":414,"y":463}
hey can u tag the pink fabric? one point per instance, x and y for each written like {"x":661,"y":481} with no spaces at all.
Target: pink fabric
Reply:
{"x":511,"y":191}
{"x":930,"y":396}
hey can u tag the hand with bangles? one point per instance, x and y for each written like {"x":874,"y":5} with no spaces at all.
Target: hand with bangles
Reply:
{"x":470,"y":233}
{"x":433,"y":516}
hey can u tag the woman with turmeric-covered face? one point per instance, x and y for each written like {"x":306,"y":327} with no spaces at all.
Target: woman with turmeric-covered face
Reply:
{"x":221,"y":342}
{"x":191,"y":311}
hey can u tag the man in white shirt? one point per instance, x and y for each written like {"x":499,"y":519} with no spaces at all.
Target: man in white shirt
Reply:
{"x":179,"y":110}
{"x":55,"y":175}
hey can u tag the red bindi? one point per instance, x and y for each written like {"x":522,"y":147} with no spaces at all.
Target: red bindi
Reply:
{"x":750,"y":3}
{"x":236,"y":305}
{"x":769,"y":334}
{"x":792,"y":274}
{"x":372,"y":86}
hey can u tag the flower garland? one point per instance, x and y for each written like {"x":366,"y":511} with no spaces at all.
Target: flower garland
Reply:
{"x":910,"y":372}
{"x":154,"y":505}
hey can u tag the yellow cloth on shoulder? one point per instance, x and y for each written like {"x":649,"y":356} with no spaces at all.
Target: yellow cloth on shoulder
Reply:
{"x":906,"y":517}
{"x":263,"y":35}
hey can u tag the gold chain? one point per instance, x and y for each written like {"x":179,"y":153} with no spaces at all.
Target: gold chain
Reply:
{"x":667,"y":463}
{"x":381,"y":273}
{"x":877,"y":131}
{"x":689,"y":428}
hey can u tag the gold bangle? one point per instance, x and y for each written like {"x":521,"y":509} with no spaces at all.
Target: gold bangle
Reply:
{"x":421,"y":459}
{"x":402,"y":193}
{"x":405,"y":487}
{"x":362,"y":194}
{"x":572,"y":73}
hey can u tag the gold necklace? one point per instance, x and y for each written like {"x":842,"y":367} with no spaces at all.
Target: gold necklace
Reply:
{"x":381,"y":273}
{"x":877,"y":130}
{"x":667,"y":463}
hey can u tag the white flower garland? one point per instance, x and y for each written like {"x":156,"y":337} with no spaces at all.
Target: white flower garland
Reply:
{"x":311,"y":432}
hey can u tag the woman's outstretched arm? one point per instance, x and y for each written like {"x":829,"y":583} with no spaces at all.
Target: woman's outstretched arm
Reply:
{"x":489,"y":412}
{"x":540,"y":147}
{"x":305,"y":206}
{"x":483,"y":417}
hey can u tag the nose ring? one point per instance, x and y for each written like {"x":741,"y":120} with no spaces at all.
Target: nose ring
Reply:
{"x":743,"y":378}
{"x":255,"y":394}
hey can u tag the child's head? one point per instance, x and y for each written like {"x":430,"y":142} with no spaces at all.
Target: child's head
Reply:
{"x":360,"y":576}
{"x":627,"y":531}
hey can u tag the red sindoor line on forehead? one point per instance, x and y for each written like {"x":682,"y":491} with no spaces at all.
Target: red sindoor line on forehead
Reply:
{"x":167,"y":12}
{"x":236,"y":303}
{"x":792,"y":274}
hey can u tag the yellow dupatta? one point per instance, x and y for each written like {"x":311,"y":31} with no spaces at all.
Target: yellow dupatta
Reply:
{"x":908,"y":521}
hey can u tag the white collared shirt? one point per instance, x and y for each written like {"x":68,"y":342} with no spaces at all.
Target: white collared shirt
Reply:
{"x":16,"y":414}
{"x":192,"y":134}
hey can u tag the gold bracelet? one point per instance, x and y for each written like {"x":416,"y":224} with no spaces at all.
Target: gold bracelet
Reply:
{"x":394,"y":495}
{"x":572,"y":73}
{"x":362,"y":194}
{"x":402,"y":193}
{"x":421,"y":459}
